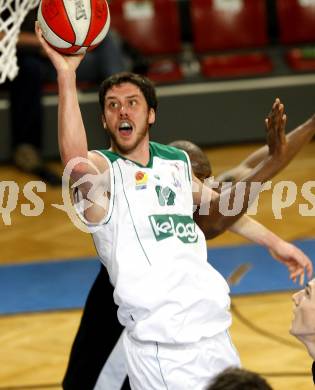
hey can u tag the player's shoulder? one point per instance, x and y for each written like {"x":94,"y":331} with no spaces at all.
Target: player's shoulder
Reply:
{"x":167,"y":152}
{"x":99,"y":160}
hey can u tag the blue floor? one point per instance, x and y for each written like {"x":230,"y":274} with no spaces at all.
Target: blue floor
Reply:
{"x":62,"y":285}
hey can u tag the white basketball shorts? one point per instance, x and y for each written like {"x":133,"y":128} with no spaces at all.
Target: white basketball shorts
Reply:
{"x":156,"y":366}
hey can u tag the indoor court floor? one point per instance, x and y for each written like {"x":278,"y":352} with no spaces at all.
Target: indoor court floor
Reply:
{"x":34,"y":345}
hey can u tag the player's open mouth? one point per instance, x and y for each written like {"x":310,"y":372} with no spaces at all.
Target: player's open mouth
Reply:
{"x":125,"y":128}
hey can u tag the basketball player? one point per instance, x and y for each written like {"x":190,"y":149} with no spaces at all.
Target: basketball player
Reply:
{"x":92,"y":346}
{"x":173,"y":304}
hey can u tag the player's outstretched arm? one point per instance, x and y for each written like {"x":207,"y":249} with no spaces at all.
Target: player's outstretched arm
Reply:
{"x":292,"y":257}
{"x":295,"y":140}
{"x":71,"y":132}
{"x":87,"y":170}
{"x":209,"y":216}
{"x":279,"y":153}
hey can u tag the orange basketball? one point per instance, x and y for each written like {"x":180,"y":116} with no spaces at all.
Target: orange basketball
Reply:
{"x":74,"y":26}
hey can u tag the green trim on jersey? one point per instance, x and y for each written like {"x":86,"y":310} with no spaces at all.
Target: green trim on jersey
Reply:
{"x":164,"y":152}
{"x":112,"y":156}
{"x":188,"y":167}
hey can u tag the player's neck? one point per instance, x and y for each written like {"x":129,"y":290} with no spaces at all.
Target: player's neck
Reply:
{"x":139,"y":154}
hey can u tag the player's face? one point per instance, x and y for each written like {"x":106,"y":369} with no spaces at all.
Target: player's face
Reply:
{"x":127,"y":117}
{"x":303,"y":323}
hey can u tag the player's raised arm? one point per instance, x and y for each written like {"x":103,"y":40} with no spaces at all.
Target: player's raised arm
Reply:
{"x":295,"y":140}
{"x":86,"y":169}
{"x":210,"y":219}
{"x":71,"y":131}
{"x":278,"y":153}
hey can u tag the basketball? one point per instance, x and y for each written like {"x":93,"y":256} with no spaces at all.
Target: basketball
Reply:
{"x":73,"y":26}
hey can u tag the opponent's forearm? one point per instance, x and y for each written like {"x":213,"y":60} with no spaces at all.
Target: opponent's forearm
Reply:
{"x":296,"y":139}
{"x":266,"y":169}
{"x":71,"y":131}
{"x":241,"y":194}
{"x":256,"y":157}
{"x":210,"y":215}
{"x":300,"y":136}
{"x":239,"y":172}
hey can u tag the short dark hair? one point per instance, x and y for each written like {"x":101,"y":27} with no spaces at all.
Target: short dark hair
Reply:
{"x":143,"y":83}
{"x":199,"y":161}
{"x":239,"y":379}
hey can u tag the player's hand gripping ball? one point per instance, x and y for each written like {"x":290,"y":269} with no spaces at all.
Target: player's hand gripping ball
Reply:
{"x":73,"y":26}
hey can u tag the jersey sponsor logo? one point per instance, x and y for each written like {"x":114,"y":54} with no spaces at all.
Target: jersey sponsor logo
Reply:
{"x":141,"y":179}
{"x":166,"y":196}
{"x":168,"y":225}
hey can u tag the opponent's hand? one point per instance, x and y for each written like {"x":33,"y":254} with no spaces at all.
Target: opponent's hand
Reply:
{"x":296,"y":261}
{"x":275,"y":127}
{"x":61,"y":62}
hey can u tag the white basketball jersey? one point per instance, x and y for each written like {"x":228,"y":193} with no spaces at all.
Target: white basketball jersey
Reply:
{"x":156,"y":255}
